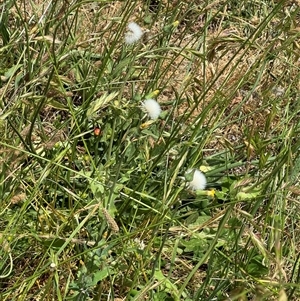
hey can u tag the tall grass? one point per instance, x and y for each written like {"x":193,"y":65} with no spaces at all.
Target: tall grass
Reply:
{"x":95,"y":197}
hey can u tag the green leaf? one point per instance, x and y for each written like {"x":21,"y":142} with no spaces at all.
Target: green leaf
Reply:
{"x":169,"y":286}
{"x":202,"y":219}
{"x":96,"y":188}
{"x":98,"y":276}
{"x":189,"y":175}
{"x":54,"y":243}
{"x":256,"y":267}
{"x":192,"y":218}
{"x":162,"y":296}
{"x":11,"y":71}
{"x":198,"y":244}
{"x":56,"y":105}
{"x":242,"y":196}
{"x":148,"y":19}
{"x":117,"y":69}
{"x":4,"y":34}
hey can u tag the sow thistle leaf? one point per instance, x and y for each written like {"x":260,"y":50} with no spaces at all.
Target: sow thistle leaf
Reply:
{"x":98,"y":276}
{"x":249,"y":195}
{"x":54,"y":243}
{"x":97,"y":188}
{"x":56,"y":105}
{"x":169,"y":286}
{"x":100,"y":103}
{"x":12,"y":70}
{"x":256,"y":267}
{"x":197,"y":244}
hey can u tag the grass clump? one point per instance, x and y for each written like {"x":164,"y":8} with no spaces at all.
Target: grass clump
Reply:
{"x":106,"y":108}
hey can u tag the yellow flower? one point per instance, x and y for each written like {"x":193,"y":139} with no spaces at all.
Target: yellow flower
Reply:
{"x":211,"y":193}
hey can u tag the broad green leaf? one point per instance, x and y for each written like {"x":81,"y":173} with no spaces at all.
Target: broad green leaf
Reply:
{"x":96,"y":188}
{"x":241,"y":196}
{"x":256,"y":268}
{"x":54,"y":243}
{"x":169,"y":286}
{"x":98,"y":276}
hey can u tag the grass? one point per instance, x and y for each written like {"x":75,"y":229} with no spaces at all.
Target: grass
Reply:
{"x":94,"y":197}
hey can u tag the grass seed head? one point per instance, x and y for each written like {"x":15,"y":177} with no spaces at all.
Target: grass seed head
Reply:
{"x":110,"y":221}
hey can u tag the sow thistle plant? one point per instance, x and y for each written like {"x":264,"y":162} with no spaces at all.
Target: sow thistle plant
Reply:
{"x":145,"y":245}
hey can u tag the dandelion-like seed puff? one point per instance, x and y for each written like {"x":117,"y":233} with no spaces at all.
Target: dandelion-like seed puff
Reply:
{"x":198,"y":181}
{"x":152,"y":108}
{"x":133,"y":34}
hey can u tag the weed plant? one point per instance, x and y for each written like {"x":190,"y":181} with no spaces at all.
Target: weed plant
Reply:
{"x":108,"y":109}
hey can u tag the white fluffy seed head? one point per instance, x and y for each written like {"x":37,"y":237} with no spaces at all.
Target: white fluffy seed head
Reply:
{"x":52,"y":266}
{"x":133,"y":34}
{"x":152,"y":108}
{"x":198,"y":181}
